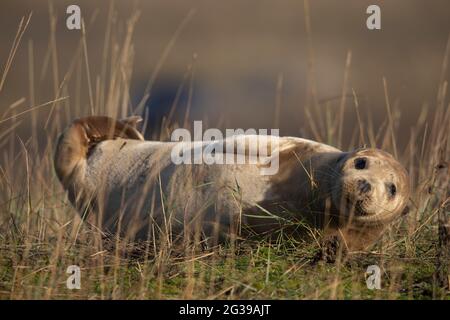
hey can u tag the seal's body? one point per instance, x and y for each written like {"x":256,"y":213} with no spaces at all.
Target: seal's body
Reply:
{"x":133,"y":187}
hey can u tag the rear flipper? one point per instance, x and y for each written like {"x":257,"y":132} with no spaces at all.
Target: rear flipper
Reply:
{"x":81,"y":136}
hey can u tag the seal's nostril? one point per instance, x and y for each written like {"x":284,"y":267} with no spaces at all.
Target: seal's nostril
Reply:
{"x":364,"y":186}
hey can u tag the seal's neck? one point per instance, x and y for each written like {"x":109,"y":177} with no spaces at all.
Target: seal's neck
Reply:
{"x":305,"y":182}
{"x":326,"y":171}
{"x":303,"y":176}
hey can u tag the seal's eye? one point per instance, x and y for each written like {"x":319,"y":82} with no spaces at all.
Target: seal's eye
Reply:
{"x":392,"y":189}
{"x":360,"y":163}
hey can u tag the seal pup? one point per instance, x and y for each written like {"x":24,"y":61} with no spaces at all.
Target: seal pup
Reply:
{"x":132,"y":187}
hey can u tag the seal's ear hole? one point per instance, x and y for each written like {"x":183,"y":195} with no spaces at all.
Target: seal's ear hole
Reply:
{"x":360,"y":163}
{"x":340,"y":158}
{"x":405,"y":211}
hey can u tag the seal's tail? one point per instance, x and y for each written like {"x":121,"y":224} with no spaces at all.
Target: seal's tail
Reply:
{"x":81,"y":136}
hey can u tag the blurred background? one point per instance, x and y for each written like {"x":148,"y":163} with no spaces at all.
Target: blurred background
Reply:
{"x":249,"y":64}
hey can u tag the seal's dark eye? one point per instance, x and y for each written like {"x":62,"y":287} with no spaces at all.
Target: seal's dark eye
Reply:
{"x":392,"y":189}
{"x":360,"y":163}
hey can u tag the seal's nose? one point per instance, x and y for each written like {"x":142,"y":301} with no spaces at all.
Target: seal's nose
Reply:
{"x":364,"y":186}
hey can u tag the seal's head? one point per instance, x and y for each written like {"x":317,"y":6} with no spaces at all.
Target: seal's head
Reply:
{"x":372,"y":188}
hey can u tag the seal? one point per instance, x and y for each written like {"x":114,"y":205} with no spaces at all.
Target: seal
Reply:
{"x":133,"y":188}
{"x":76,"y":143}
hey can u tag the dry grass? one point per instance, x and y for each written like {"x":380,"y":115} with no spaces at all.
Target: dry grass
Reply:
{"x":41,"y":234}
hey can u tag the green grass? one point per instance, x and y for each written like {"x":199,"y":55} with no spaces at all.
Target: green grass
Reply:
{"x":253,"y":270}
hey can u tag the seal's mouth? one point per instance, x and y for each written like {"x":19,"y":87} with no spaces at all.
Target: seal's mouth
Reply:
{"x":359,"y":210}
{"x":356,"y":207}
{"x":360,"y":214}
